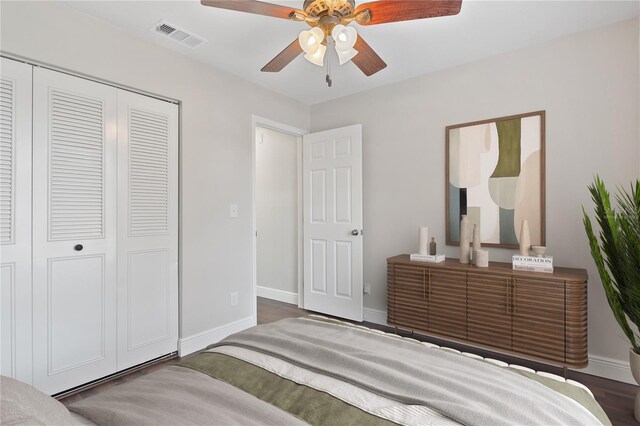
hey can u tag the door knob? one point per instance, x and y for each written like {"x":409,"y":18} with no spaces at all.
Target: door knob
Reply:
{"x":78,"y":247}
{"x":355,"y":232}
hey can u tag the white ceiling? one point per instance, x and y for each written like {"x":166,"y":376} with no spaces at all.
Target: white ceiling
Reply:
{"x":242,"y":43}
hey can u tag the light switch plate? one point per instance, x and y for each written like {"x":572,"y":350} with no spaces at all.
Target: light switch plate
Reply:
{"x":233,"y":210}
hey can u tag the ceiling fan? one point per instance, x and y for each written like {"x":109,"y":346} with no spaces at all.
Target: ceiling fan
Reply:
{"x":330,"y":21}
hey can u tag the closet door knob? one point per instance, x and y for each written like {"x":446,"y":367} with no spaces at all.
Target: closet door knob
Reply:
{"x":78,"y":247}
{"x":354,"y":232}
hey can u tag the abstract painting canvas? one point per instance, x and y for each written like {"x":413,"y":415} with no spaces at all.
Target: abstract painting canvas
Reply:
{"x":495,"y":175}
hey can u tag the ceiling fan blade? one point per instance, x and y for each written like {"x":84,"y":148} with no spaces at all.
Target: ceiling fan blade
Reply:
{"x":283,"y":58}
{"x":257,"y":7}
{"x":385,"y":11}
{"x":367,"y":59}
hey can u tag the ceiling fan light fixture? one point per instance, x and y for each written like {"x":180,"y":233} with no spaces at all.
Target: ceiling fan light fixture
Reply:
{"x":311,"y":40}
{"x":344,"y":37}
{"x":317,"y":58}
{"x":345,"y":56}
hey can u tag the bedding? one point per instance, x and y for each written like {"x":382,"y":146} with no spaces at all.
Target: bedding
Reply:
{"x":22,"y":404}
{"x":457,"y":387}
{"x":176,"y":395}
{"x":326,"y":372}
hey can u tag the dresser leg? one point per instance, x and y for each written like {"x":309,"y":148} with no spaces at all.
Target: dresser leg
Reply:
{"x":565,"y":372}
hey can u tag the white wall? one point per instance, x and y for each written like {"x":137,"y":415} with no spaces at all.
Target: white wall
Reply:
{"x":216,"y":138}
{"x":587,"y":83}
{"x":277,"y":212}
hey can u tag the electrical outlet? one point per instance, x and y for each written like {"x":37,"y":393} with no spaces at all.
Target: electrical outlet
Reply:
{"x":234,"y":298}
{"x":367,"y":288}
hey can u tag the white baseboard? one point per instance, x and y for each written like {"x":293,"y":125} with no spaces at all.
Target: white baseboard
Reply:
{"x":279,"y":295}
{"x":375,"y":316}
{"x":200,"y":341}
{"x":609,"y":368}
{"x":598,"y":366}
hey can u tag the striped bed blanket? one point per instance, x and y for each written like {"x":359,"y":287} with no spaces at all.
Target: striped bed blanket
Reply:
{"x":326,"y":372}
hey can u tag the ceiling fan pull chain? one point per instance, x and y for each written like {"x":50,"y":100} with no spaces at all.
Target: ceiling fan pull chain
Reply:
{"x":328,"y":77}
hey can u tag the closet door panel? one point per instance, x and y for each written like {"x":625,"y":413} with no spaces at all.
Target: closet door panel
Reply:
{"x":7,"y":319}
{"x":148,"y":298}
{"x":84,"y":319}
{"x":147,"y":229}
{"x":74,"y":230}
{"x":15,"y":220}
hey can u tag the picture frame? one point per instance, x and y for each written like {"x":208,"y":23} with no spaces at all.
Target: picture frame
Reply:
{"x":495,"y":174}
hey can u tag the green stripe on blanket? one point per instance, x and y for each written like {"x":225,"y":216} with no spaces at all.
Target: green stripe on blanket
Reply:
{"x":302,"y":401}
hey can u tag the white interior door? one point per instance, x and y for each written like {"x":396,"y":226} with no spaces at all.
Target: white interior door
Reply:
{"x":74,"y":230}
{"x":147,"y":228}
{"x":15,"y":220}
{"x":332,"y":199}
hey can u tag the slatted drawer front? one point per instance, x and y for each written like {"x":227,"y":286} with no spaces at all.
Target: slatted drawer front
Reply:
{"x":539,"y":318}
{"x":391,"y":298}
{"x":7,"y":161}
{"x":489,"y":309}
{"x":448,"y":302}
{"x":576,"y":323}
{"x":411,"y":297}
{"x":148,"y":173}
{"x":76,"y":167}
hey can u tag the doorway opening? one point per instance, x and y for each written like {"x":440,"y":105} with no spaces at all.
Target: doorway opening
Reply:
{"x":277,"y":212}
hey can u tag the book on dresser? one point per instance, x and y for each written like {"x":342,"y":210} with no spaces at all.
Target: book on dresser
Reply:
{"x":432,"y":258}
{"x":540,"y":316}
{"x":532,"y":263}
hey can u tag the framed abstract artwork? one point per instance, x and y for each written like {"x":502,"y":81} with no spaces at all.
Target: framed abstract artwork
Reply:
{"x":495,"y":174}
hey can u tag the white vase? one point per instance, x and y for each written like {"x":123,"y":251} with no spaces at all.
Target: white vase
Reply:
{"x":464,"y":239}
{"x":525,"y":238}
{"x":634,"y":362}
{"x":476,"y":242}
{"x":423,"y":240}
{"x":481,"y":258}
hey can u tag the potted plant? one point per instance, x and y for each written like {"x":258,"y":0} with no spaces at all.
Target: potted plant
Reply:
{"x":617,"y":255}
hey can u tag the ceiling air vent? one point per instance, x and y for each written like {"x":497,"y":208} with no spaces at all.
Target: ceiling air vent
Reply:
{"x":165,"y":29}
{"x":177,"y":34}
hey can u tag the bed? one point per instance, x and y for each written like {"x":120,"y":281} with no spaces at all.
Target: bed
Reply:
{"x":323,"y":371}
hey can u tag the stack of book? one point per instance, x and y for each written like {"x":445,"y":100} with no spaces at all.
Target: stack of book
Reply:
{"x":532,"y":263}
{"x":431,"y":258}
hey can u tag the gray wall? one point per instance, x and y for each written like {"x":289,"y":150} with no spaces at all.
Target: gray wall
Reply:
{"x":277,"y":210}
{"x":587,"y":83}
{"x":216,"y":138}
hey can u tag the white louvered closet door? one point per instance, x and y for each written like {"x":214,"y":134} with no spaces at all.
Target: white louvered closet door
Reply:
{"x":74,"y":230}
{"x":15,"y":220}
{"x":147,"y":228}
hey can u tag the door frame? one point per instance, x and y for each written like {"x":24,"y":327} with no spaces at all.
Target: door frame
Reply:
{"x":257,"y":121}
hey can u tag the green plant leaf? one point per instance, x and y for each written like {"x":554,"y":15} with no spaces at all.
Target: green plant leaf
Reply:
{"x":617,"y":253}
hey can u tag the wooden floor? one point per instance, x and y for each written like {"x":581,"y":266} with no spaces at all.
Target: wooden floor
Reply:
{"x":616,"y":398}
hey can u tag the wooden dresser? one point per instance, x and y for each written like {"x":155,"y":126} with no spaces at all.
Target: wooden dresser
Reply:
{"x":533,"y":315}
